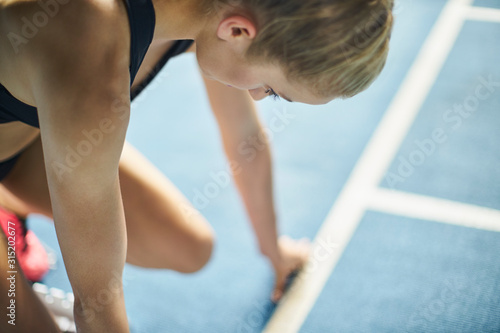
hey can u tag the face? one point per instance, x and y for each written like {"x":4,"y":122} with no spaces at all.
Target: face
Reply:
{"x":260,"y":80}
{"x":221,"y":57}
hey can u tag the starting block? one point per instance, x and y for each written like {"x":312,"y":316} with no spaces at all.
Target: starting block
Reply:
{"x":59,"y":304}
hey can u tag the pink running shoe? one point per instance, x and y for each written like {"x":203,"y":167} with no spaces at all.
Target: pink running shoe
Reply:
{"x":31,"y":255}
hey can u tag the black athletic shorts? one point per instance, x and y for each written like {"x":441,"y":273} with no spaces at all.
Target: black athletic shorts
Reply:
{"x":6,"y":166}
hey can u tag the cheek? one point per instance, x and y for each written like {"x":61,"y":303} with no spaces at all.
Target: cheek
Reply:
{"x":257,"y":94}
{"x":225,"y":69}
{"x":241,"y":76}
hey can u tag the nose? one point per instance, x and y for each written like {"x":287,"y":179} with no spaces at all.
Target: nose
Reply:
{"x":257,"y":94}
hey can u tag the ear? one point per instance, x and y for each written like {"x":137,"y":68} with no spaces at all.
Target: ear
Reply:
{"x":237,"y":29}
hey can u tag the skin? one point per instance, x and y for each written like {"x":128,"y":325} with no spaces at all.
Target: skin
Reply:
{"x":106,"y":218}
{"x":221,"y":57}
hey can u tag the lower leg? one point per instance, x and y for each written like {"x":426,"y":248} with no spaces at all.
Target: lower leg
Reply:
{"x":26,"y":310}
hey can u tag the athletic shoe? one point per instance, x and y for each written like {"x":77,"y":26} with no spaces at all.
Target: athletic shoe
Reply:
{"x":30,"y":253}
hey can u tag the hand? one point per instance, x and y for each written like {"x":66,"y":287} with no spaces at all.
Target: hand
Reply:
{"x":292,"y":257}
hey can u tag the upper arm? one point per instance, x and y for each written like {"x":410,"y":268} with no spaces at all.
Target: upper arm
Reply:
{"x":81,"y":87}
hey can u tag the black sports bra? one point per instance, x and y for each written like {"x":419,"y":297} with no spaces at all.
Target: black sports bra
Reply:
{"x":142,"y":24}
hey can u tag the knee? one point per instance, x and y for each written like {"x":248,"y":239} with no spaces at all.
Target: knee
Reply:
{"x":200,"y":253}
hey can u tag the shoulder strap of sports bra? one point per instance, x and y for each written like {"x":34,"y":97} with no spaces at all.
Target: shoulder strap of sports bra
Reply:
{"x":142,"y":20}
{"x":177,"y":48}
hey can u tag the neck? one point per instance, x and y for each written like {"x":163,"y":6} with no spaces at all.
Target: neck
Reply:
{"x":178,"y":19}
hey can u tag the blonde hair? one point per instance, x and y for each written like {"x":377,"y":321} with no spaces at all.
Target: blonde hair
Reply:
{"x":336,"y":47}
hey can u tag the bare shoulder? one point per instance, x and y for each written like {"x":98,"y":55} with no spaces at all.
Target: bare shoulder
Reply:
{"x":27,"y":23}
{"x":62,"y":36}
{"x":86,"y":33}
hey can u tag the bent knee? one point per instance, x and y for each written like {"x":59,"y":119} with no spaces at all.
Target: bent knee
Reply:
{"x":200,"y":253}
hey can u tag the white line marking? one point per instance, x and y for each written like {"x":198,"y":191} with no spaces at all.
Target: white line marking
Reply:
{"x":434,"y":209}
{"x":483,"y":14}
{"x":344,"y":217}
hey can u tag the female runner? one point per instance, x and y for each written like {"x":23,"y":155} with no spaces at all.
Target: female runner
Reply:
{"x":68,"y":69}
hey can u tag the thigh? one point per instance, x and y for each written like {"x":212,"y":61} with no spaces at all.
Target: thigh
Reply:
{"x":26,"y":184}
{"x":163,"y":229}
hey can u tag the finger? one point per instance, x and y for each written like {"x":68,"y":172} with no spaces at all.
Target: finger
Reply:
{"x":305,"y":240}
{"x":306,"y":251}
{"x":299,"y":264}
{"x":285,"y":239}
{"x":302,"y":252}
{"x":279,"y":289}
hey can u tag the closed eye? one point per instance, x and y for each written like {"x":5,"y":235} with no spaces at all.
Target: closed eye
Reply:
{"x":272,"y":93}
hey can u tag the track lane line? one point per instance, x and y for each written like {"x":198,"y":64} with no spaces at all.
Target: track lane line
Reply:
{"x":434,"y":209}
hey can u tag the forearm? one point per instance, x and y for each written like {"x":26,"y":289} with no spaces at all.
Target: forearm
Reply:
{"x":90,"y":225}
{"x":255,"y":184}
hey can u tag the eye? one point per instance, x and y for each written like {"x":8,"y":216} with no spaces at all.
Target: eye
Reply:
{"x":271,"y":92}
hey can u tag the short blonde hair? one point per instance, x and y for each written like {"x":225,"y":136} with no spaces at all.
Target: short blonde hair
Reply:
{"x":336,"y":47}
